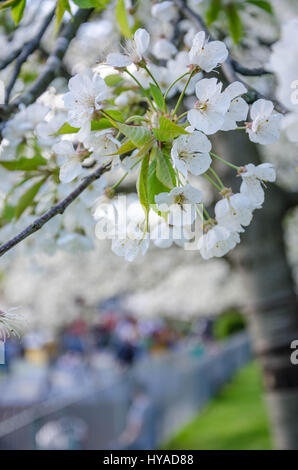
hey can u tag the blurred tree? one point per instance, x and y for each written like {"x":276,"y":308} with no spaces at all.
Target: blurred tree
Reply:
{"x":273,"y":310}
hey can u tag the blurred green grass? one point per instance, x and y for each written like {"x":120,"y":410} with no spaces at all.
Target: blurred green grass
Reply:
{"x":235,"y":420}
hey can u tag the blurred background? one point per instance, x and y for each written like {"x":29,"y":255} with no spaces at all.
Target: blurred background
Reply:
{"x":170,"y":351}
{"x":129,"y":356}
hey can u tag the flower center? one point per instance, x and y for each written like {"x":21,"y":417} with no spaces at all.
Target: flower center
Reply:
{"x":201,"y":106}
{"x":179,"y":199}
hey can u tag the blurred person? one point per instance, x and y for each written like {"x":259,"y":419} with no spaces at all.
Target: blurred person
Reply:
{"x":34,"y":346}
{"x":67,"y":433}
{"x":140,"y":428}
{"x":126,"y":341}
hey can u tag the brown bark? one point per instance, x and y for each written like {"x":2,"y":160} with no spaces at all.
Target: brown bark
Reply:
{"x":273,"y":309}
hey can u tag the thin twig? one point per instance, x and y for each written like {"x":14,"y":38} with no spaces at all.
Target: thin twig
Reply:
{"x":58,"y":208}
{"x":255,"y":72}
{"x":27,"y":50}
{"x":52,"y":66}
{"x":11,"y":57}
{"x":64,"y":72}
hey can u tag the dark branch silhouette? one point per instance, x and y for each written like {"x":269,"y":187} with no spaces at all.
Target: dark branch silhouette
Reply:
{"x":58,"y":208}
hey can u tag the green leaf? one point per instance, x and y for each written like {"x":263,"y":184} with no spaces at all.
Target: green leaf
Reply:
{"x":128,"y":146}
{"x":24,"y":164}
{"x":213,"y":11}
{"x":67,"y":129}
{"x":263,"y":4}
{"x":91,"y":3}
{"x":164,"y":169}
{"x":100,"y":125}
{"x":27,"y":198}
{"x":113,"y":79}
{"x":158,"y":97}
{"x":235,"y":23}
{"x":115,"y":114}
{"x":8,"y":213}
{"x":121,"y":18}
{"x":154,"y":185}
{"x":8,"y":4}
{"x":167,"y":130}
{"x":142,"y":185}
{"x":139,"y":135}
{"x":17,"y":11}
{"x":61,"y":7}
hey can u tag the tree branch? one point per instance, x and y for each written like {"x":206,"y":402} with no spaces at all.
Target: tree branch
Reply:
{"x":58,"y":208}
{"x":255,"y":72}
{"x":64,"y":72}
{"x":26,"y":51}
{"x":12,"y":56}
{"x":228,"y":67}
{"x":52,"y":66}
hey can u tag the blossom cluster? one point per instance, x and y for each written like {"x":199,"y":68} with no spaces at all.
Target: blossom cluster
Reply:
{"x":120,"y":116}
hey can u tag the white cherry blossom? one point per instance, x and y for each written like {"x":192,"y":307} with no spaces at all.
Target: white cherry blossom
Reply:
{"x":210,"y":109}
{"x":164,"y":235}
{"x":163,"y":78}
{"x":85,"y":96}
{"x":180,"y":203}
{"x":129,"y":247}
{"x":134,"y":50}
{"x":207,"y":55}
{"x":140,"y":74}
{"x":252,"y":179}
{"x":163,"y":49}
{"x":46,"y":131}
{"x":11,"y":324}
{"x":130,"y":238}
{"x":103,"y":145}
{"x":177,"y":67}
{"x":126,"y":98}
{"x":164,"y":11}
{"x":238,"y":108}
{"x":24,"y":122}
{"x":69,"y":161}
{"x":91,"y":195}
{"x":217,"y":242}
{"x":265,"y":127}
{"x":190,"y":153}
{"x":234,"y":212}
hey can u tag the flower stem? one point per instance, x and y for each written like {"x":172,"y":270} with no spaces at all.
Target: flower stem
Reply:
{"x":224,"y":161}
{"x":212,"y":182}
{"x":115,"y":186}
{"x":152,"y":76}
{"x":182,"y":115}
{"x":217,"y":177}
{"x":140,"y":86}
{"x":205,"y":211}
{"x":174,"y":83}
{"x":200,"y":213}
{"x":183,"y":92}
